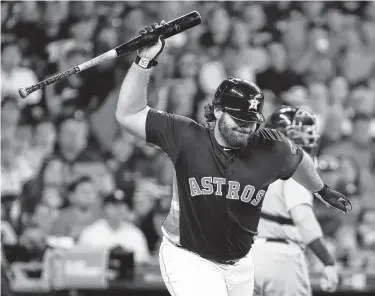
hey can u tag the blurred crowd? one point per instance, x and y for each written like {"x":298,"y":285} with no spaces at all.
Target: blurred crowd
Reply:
{"x":68,"y":170}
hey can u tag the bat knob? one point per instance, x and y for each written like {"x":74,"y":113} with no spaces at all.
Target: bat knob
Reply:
{"x":23,"y":92}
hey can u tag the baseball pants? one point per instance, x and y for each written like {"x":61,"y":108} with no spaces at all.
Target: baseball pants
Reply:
{"x":280,"y":269}
{"x":187,"y":274}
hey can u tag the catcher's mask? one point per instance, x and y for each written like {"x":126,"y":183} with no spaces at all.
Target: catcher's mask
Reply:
{"x":297,"y":124}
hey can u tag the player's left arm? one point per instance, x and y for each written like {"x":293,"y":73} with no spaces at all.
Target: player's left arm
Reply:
{"x":300,"y":166}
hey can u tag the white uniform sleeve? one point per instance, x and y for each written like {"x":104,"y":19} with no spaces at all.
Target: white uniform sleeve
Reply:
{"x":295,"y":194}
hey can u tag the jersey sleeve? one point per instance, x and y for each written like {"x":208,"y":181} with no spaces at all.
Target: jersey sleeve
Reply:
{"x":295,"y":194}
{"x":167,"y":131}
{"x":291,"y":156}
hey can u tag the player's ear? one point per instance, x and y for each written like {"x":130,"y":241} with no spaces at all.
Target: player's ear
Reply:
{"x":218,"y":112}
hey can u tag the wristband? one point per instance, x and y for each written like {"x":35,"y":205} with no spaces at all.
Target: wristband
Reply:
{"x":320,"y":250}
{"x":145,"y":63}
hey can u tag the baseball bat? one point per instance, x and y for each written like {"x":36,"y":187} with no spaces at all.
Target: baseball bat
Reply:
{"x":170,"y":29}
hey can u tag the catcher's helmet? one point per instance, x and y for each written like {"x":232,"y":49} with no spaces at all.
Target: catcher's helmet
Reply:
{"x":297,"y":124}
{"x":241,"y":99}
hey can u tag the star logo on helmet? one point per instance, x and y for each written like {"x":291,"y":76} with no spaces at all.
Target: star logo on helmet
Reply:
{"x":234,"y":80}
{"x":253,"y":104}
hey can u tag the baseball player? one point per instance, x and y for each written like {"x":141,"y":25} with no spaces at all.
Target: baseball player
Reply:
{"x":288,"y":224}
{"x":222,"y":174}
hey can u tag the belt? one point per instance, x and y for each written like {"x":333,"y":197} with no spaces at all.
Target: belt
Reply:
{"x":280,"y":240}
{"x":276,"y":240}
{"x":278,"y":219}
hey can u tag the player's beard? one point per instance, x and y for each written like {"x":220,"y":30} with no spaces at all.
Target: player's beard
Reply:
{"x":235,"y":137}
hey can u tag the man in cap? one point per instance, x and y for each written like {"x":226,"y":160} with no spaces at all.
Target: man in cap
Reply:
{"x":116,"y":229}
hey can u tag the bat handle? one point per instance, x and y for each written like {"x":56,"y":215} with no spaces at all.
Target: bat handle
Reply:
{"x":25,"y":91}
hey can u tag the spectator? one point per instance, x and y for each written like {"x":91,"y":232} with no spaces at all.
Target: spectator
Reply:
{"x":52,"y":198}
{"x":72,"y":143}
{"x":362,"y":101}
{"x":158,"y":216}
{"x":334,"y":20}
{"x":357,"y":244}
{"x":51,"y":174}
{"x":277,"y":78}
{"x":357,"y":59}
{"x":8,"y":234}
{"x":337,"y":122}
{"x":133,"y":20}
{"x":217,"y":34}
{"x":33,"y":242}
{"x":294,"y":38}
{"x":14,"y":76}
{"x":122,"y":162}
{"x":115,"y":229}
{"x":318,"y":102}
{"x":349,"y":181}
{"x":102,"y":176}
{"x":102,"y":80}
{"x":296,"y":96}
{"x":366,"y":229}
{"x":82,"y":211}
{"x":255,"y":57}
{"x":313,"y":11}
{"x":15,"y":169}
{"x":233,"y":62}
{"x":147,"y":192}
{"x":328,"y":166}
{"x":43,"y":142}
{"x":54,"y":15}
{"x":358,"y":146}
{"x":43,"y":218}
{"x":10,"y":115}
{"x":182,"y":93}
{"x":320,"y":67}
{"x":42,"y":213}
{"x":62,"y":97}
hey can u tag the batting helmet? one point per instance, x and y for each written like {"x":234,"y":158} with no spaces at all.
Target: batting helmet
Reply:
{"x":241,"y":99}
{"x":297,"y":124}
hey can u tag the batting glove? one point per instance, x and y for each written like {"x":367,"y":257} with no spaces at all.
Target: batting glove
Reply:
{"x":146,"y":57}
{"x":334,"y":199}
{"x":329,"y":279}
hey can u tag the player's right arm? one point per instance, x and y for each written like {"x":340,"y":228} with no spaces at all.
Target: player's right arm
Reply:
{"x":134,"y":115}
{"x":132,"y":109}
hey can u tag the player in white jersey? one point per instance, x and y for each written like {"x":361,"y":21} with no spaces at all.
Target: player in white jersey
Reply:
{"x":288,"y":224}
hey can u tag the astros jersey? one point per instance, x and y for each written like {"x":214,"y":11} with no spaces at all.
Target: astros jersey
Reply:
{"x":281,"y":197}
{"x":218,"y":194}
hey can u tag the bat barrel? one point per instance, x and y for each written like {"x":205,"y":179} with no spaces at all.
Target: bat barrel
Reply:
{"x":181,"y":24}
{"x":170,"y":29}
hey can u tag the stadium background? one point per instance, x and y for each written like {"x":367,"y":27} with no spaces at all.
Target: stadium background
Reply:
{"x":316,"y":55}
